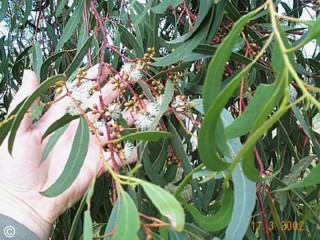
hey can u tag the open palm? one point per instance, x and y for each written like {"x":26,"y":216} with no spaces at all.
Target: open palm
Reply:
{"x":23,"y":174}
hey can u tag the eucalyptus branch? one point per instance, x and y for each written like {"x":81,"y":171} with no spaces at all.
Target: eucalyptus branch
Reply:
{"x":254,"y":137}
{"x":274,"y":22}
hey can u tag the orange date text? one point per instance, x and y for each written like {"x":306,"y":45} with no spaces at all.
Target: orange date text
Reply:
{"x":283,"y":227}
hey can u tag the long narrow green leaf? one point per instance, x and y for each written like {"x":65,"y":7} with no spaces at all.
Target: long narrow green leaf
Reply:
{"x":5,"y":126}
{"x":204,"y":9}
{"x":52,"y":141}
{"x":46,"y":64}
{"x":298,"y":169}
{"x":141,"y":16}
{"x":71,"y":26}
{"x":58,"y":124}
{"x":312,"y":33}
{"x":19,"y":64}
{"x":27,"y":11}
{"x":166,"y":204}
{"x":207,"y":51}
{"x":139,"y":11}
{"x":155,"y":170}
{"x":162,"y":7}
{"x":74,"y":163}
{"x":240,"y":126}
{"x":166,"y":99}
{"x":132,"y":40}
{"x":186,"y":47}
{"x":216,"y":67}
{"x":87,"y":226}
{"x":60,"y":7}
{"x":248,"y":161}
{"x":184,"y":158}
{"x":27,"y":104}
{"x":218,"y":17}
{"x":77,"y":217}
{"x":4,"y":129}
{"x":310,"y":180}
{"x":3,"y":9}
{"x":307,"y":129}
{"x":244,"y":190}
{"x":154,"y":23}
{"x":217,"y":221}
{"x":51,"y":34}
{"x":180,"y":53}
{"x":278,"y":87}
{"x":219,"y":137}
{"x":124,"y":219}
{"x":37,"y":58}
{"x":208,"y":149}
{"x":145,"y":136}
{"x":275,"y":92}
{"x":232,"y":11}
{"x":79,"y":57}
{"x":82,"y":36}
{"x":4,"y":61}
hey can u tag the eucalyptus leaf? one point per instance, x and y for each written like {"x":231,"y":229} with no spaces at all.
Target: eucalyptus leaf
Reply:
{"x":131,"y":40}
{"x":144,"y":136}
{"x":240,"y":127}
{"x":74,"y":163}
{"x":244,"y":190}
{"x":310,"y":180}
{"x":58,"y":124}
{"x":71,"y":25}
{"x":3,"y":9}
{"x":204,"y":9}
{"x":219,"y":220}
{"x":166,"y":204}
{"x":124,"y":220}
{"x":217,"y":64}
{"x":27,"y":104}
{"x":79,"y":57}
{"x":87,"y":231}
{"x":37,"y":58}
{"x":162,"y":7}
{"x":186,"y":47}
{"x":5,"y":125}
{"x":46,"y":65}
{"x":165,"y":101}
{"x":52,"y":141}
{"x":26,"y":12}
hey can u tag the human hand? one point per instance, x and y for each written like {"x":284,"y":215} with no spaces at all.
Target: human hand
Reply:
{"x":23,"y":174}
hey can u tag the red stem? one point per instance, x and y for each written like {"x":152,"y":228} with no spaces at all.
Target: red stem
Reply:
{"x":85,"y":17}
{"x":259,"y":160}
{"x":38,"y":20}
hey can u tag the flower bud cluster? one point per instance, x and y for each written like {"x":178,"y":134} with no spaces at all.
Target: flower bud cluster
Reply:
{"x":132,"y":72}
{"x":113,"y":111}
{"x":145,"y":119}
{"x":132,"y":99}
{"x":80,"y":93}
{"x":125,"y":150}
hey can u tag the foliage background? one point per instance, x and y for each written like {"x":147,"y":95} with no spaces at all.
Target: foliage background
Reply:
{"x":203,"y":51}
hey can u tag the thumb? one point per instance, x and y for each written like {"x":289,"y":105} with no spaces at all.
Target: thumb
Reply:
{"x":30,"y":82}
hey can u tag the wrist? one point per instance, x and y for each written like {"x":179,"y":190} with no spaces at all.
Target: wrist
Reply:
{"x":24,"y":214}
